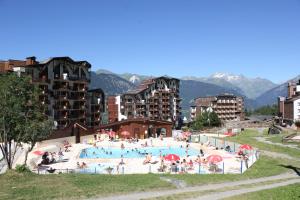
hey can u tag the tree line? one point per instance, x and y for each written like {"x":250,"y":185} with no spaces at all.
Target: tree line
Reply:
{"x":206,"y":119}
{"x":264,"y":110}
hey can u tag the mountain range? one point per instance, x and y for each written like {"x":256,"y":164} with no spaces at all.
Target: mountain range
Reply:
{"x":250,"y":87}
{"x":257,"y":92}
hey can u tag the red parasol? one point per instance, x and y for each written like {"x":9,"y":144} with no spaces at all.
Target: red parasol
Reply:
{"x":214,"y":159}
{"x":172,"y":157}
{"x":39,"y":153}
{"x":125,"y":133}
{"x":246,"y":147}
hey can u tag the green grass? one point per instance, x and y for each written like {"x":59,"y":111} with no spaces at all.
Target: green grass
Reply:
{"x":278,"y":139}
{"x":289,"y":192}
{"x":191,"y":195}
{"x":247,"y":137}
{"x":74,"y":186}
{"x":68,"y":186}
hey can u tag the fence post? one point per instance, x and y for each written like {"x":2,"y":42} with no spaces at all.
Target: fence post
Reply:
{"x":241,"y":167}
{"x":149,"y":167}
{"x":95,"y":170}
{"x":199,"y":168}
{"x":223,"y":167}
{"x":199,"y":139}
{"x":67,"y":170}
{"x":215,"y":142}
{"x":122,"y":169}
{"x":234,"y":146}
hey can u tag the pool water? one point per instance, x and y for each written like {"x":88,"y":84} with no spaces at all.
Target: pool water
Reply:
{"x":100,"y":152}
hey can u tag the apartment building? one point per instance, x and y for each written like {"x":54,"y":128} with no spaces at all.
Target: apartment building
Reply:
{"x":64,"y":84}
{"x":228,"y":107}
{"x":154,"y":99}
{"x":112,"y":109}
{"x":289,"y":107}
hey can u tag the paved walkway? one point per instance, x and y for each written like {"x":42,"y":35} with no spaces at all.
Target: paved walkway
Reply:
{"x":230,"y":193}
{"x":153,"y":194}
{"x":277,"y":155}
{"x":263,"y":139}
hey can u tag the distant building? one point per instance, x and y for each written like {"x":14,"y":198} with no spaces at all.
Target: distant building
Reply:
{"x":64,"y":85}
{"x":289,"y":107}
{"x":141,"y":128}
{"x":154,"y":99}
{"x":228,"y":107}
{"x":8,"y":65}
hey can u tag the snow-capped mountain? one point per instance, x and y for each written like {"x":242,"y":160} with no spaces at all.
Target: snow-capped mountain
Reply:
{"x":134,"y":79}
{"x":250,"y":87}
{"x":226,"y":76}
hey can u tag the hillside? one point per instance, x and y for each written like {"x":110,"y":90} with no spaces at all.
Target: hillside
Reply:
{"x":111,"y":84}
{"x":134,"y":78}
{"x":250,"y":87}
{"x":216,"y":81}
{"x":270,"y":97}
{"x":189,"y":90}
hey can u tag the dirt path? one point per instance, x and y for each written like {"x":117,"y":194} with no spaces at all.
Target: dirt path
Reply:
{"x":152,"y":194}
{"x":231,"y":193}
{"x":277,"y":155}
{"x":262,"y":139}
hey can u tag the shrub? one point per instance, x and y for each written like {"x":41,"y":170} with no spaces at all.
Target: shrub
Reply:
{"x":22,"y":169}
{"x":185,"y":128}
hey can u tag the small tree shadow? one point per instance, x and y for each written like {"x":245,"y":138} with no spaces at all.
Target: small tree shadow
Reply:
{"x":296,"y":169}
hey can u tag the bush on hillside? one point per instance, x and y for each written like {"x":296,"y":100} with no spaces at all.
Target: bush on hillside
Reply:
{"x":22,"y":169}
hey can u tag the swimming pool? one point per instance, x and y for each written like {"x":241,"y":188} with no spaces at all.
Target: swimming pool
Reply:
{"x":100,"y":152}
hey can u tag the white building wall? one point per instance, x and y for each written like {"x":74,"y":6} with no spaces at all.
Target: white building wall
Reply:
{"x":297,"y":109}
{"x":118,"y":102}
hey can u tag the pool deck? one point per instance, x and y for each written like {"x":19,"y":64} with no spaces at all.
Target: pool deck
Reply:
{"x":132,"y":165}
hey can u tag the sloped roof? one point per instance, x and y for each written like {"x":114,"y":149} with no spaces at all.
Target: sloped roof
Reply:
{"x":146,"y":83}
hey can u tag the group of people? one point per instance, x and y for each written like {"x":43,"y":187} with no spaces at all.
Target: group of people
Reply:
{"x":51,"y":157}
{"x":82,"y":165}
{"x":182,"y":167}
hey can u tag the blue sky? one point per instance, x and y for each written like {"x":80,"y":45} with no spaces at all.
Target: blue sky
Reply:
{"x":178,"y":38}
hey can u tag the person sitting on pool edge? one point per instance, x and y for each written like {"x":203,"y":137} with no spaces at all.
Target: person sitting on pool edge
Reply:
{"x":147,"y":159}
{"x":122,"y":161}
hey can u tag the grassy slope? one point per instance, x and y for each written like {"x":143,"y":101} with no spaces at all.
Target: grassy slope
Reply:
{"x":281,"y":193}
{"x":247,"y":137}
{"x":278,"y":139}
{"x":64,"y":186}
